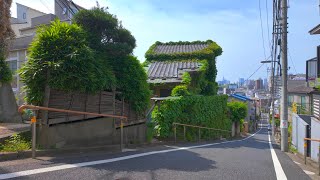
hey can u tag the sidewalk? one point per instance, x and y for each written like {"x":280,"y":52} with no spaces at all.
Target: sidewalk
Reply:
{"x":311,"y":168}
{"x":8,"y":129}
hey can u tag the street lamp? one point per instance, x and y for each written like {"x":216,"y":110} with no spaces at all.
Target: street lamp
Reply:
{"x":267,"y":61}
{"x":272,"y":94}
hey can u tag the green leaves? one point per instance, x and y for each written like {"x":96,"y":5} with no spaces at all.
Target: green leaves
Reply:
{"x":180,"y":90}
{"x":237,"y":110}
{"x":5,"y":72}
{"x":213,"y":50}
{"x":60,"y":57}
{"x":208,"y":111}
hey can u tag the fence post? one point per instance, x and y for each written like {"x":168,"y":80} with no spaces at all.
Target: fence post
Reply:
{"x":175,"y":133}
{"x":199,"y":134}
{"x":33,"y":125}
{"x":121,"y":135}
{"x":305,"y":151}
{"x":184,"y":133}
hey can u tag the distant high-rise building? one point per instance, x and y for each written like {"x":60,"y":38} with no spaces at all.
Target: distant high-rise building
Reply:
{"x":250,"y":84}
{"x":265,"y":83}
{"x":258,"y":84}
{"x":241,"y":82}
{"x":223,"y":82}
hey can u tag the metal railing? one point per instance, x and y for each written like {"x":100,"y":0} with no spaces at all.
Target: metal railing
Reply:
{"x":199,"y":130}
{"x":34,"y":121}
{"x":305,"y":151}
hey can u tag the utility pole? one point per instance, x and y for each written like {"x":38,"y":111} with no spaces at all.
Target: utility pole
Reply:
{"x":284,"y":93}
{"x":272,"y":97}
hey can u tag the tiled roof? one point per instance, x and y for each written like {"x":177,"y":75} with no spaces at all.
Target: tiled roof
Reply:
{"x":171,"y":49}
{"x":22,"y":42}
{"x":170,"y":71}
{"x":300,"y":89}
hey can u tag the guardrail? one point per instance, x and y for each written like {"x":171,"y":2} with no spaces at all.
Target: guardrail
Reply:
{"x":305,"y":152}
{"x":34,"y":121}
{"x":199,"y":130}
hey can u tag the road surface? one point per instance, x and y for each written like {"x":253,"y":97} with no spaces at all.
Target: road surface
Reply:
{"x":254,"y":157}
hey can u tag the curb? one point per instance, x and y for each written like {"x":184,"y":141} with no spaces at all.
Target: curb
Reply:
{"x":7,"y":156}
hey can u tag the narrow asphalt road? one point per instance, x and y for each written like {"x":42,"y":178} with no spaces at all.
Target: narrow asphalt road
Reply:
{"x":249,"y":158}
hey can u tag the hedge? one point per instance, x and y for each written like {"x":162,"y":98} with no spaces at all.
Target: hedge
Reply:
{"x":208,"y":111}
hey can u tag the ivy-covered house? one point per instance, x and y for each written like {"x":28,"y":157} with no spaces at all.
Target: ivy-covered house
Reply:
{"x":190,"y":64}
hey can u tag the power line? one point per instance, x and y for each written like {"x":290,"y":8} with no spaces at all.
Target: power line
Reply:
{"x":264,"y":49}
{"x":46,"y":6}
{"x":294,"y":67}
{"x":254,"y":73}
{"x":267,"y":11}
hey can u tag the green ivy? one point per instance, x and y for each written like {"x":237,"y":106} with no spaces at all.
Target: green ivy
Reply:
{"x":206,"y":80}
{"x":209,"y":52}
{"x":207,"y":111}
{"x":186,"y":78}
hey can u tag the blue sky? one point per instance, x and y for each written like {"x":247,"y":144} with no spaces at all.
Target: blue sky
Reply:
{"x":233,"y":24}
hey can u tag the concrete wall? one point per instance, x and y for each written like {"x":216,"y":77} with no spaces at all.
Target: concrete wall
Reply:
{"x":298,"y":132}
{"x":92,"y":132}
{"x":315,"y":134}
{"x":8,"y":106}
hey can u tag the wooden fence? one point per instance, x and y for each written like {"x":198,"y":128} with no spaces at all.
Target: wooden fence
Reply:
{"x":103,"y":102}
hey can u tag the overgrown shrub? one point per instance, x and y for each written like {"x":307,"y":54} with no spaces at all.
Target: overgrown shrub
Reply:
{"x":186,"y":78}
{"x":207,"y":111}
{"x":132,"y":82}
{"x":180,"y":90}
{"x":237,"y":111}
{"x":16,"y":143}
{"x":60,"y":57}
{"x":114,"y":45}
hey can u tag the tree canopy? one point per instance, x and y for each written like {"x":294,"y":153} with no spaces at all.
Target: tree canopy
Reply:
{"x":6,"y":33}
{"x":237,"y":110}
{"x":92,"y":54}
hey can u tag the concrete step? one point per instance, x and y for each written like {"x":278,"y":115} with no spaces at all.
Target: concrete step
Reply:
{"x":8,"y":129}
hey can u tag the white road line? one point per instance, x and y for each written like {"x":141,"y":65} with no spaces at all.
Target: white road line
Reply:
{"x":309,"y":172}
{"x":276,"y":163}
{"x":106,"y":161}
{"x":296,"y":162}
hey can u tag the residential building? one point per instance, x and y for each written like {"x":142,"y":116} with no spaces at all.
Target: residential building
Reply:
{"x":250,"y":104}
{"x":302,"y":97}
{"x":24,"y":27}
{"x":65,"y":9}
{"x":164,"y":76}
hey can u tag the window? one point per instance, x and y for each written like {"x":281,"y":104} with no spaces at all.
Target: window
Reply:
{"x":303,"y":101}
{"x":290,"y":100}
{"x":13,"y":65}
{"x":24,"y":16}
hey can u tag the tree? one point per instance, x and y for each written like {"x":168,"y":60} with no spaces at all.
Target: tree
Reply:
{"x":8,"y":105}
{"x":60,"y":57}
{"x":114,"y":45}
{"x":6,"y":33}
{"x":237,"y":111}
